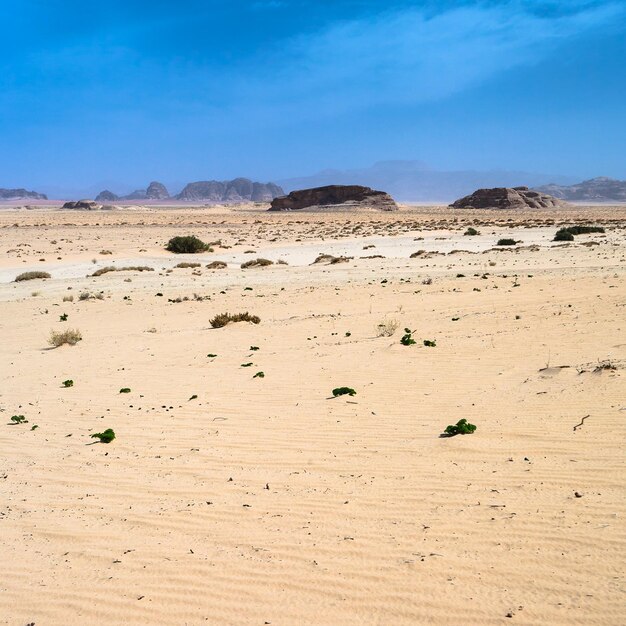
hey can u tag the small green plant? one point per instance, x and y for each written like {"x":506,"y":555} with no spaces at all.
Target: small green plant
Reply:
{"x":34,"y":427}
{"x":506,"y":242}
{"x":70,"y":337}
{"x":471,"y":232}
{"x":68,"y":383}
{"x":563,"y":235}
{"x":106,"y":437}
{"x":31,"y":276}
{"x":256,"y":263}
{"x":217,"y":265}
{"x":462,"y":427}
{"x":407,"y":338}
{"x":259,"y":375}
{"x":18,"y":419}
{"x":343,"y":391}
{"x":247,"y":364}
{"x":430,"y":344}
{"x":186,"y":264}
{"x":187,"y":245}
{"x":211,"y":356}
{"x":125,"y":390}
{"x":63,"y":318}
{"x":226,"y":318}
{"x":194,"y":397}
{"x":254,"y":348}
{"x":387,"y":327}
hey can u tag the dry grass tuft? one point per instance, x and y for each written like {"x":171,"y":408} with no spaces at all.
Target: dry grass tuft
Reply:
{"x":256,"y":263}
{"x":130,"y":268}
{"x":226,"y":318}
{"x":217,"y":265}
{"x":387,"y":327}
{"x":31,"y":276}
{"x":70,"y":337}
{"x":186,"y":264}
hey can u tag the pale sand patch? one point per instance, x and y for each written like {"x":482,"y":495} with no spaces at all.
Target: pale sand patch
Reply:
{"x":370,"y":517}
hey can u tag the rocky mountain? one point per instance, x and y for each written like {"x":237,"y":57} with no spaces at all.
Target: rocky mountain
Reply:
{"x":599,"y":189}
{"x":507,"y":198}
{"x":19,"y":194}
{"x":157,"y":191}
{"x":106,"y":196}
{"x":229,"y":191}
{"x":344,"y":196}
{"x":414,"y":181}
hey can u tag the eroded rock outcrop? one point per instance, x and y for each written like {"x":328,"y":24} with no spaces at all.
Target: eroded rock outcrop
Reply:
{"x":335,"y":196}
{"x":106,"y":196}
{"x":507,"y":198}
{"x":18,"y":194}
{"x":157,"y":191}
{"x":229,"y":191}
{"x":82,"y":205}
{"x":600,"y":189}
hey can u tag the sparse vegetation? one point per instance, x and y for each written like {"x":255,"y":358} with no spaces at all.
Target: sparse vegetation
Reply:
{"x":129,"y":268}
{"x":18,"y":419}
{"x":563,"y":235}
{"x":187,"y":245}
{"x":256,"y":263}
{"x":86,"y":295}
{"x":125,"y":390}
{"x":471,"y":232}
{"x":217,"y":265}
{"x":462,"y":427}
{"x":506,"y":242}
{"x":259,"y":375}
{"x":105,"y":437}
{"x":68,"y":383}
{"x":70,"y":337}
{"x":343,"y":391}
{"x":331,"y":260}
{"x":226,"y":318}
{"x":63,"y":317}
{"x":407,"y":338}
{"x":69,"y":298}
{"x":387,"y":327}
{"x":31,"y":276}
{"x":567,"y":233}
{"x":186,"y":264}
{"x":430,"y":344}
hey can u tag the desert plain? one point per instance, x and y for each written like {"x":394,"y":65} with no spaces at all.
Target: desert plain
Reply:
{"x":233,"y":498}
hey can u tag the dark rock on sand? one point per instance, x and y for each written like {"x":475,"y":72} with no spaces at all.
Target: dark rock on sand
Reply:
{"x":335,"y":196}
{"x":82,"y":205}
{"x":507,"y":198}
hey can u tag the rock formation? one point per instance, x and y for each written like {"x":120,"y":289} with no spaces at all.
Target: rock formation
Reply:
{"x":106,"y":196}
{"x":507,"y":198}
{"x":156,"y":191}
{"x":82,"y":205}
{"x":18,"y":194}
{"x":336,"y":196}
{"x":229,"y":191}
{"x":599,"y":189}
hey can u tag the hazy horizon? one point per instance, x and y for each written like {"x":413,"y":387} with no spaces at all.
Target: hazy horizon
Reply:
{"x":134,"y":91}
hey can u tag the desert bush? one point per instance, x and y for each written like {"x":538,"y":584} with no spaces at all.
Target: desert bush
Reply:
{"x":128,"y":268}
{"x":343,"y":391}
{"x":407,"y":338}
{"x":387,"y":327}
{"x":226,"y":318}
{"x":63,"y":317}
{"x":259,"y":375}
{"x":106,"y":437}
{"x":187,"y":245}
{"x":86,"y":295}
{"x":18,"y":419}
{"x":331,"y":260}
{"x":70,"y":337}
{"x":462,"y":427}
{"x":125,"y":390}
{"x":31,"y":276}
{"x":583,"y":230}
{"x":256,"y":263}
{"x":506,"y":242}
{"x":185,"y":265}
{"x":563,"y":235}
{"x":471,"y":232}
{"x":430,"y":344}
{"x":69,"y":298}
{"x":217,"y":265}
{"x":105,"y":252}
{"x":68,"y":383}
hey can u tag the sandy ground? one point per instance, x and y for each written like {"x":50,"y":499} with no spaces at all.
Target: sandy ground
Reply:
{"x":265,"y":501}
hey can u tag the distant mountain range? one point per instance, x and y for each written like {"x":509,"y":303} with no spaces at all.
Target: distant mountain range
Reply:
{"x":413,"y":181}
{"x":227,"y":191}
{"x":19,"y":194}
{"x":599,"y":189}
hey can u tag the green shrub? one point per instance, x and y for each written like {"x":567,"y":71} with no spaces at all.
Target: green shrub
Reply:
{"x":125,"y":390}
{"x":471,"y":232}
{"x":187,"y":245}
{"x":256,"y":263}
{"x":63,"y":318}
{"x":506,"y":242}
{"x":430,"y":344}
{"x":70,"y":337}
{"x":211,"y":356}
{"x":129,"y":268}
{"x":462,"y":427}
{"x":259,"y":375}
{"x":407,"y":338}
{"x":186,"y":264}
{"x":254,"y":348}
{"x":68,"y":383}
{"x":19,"y":419}
{"x":217,"y":265}
{"x":567,"y":233}
{"x":563,"y":235}
{"x":106,"y":437}
{"x":31,"y":276}
{"x":226,"y":318}
{"x":343,"y":391}
{"x":247,"y":364}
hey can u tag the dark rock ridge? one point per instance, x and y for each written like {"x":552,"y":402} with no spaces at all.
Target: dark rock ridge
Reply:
{"x":507,"y":198}
{"x":107,"y":196}
{"x":17,"y":194}
{"x":230,"y":191}
{"x":334,"y":195}
{"x":599,"y":189}
{"x":82,"y":205}
{"x":157,"y":191}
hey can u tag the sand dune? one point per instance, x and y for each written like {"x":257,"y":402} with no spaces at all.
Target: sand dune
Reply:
{"x":265,"y":500}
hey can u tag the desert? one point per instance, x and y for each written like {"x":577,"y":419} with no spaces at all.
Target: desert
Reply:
{"x":239,"y":490}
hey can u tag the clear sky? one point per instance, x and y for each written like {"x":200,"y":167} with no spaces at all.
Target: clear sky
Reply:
{"x":128,"y":91}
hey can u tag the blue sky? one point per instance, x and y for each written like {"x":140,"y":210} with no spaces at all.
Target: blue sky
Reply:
{"x":124,"y":92}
